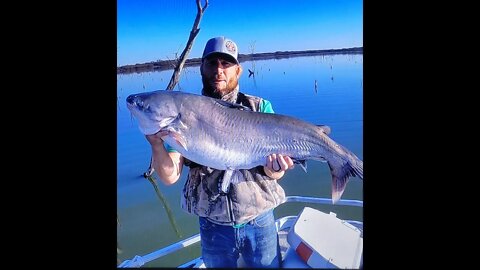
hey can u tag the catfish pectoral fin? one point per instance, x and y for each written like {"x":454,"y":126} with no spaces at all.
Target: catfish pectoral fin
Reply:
{"x":302,"y":163}
{"x":227,"y":177}
{"x":179,"y":138}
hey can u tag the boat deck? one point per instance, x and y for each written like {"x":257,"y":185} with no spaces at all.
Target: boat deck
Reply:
{"x":283,"y":228}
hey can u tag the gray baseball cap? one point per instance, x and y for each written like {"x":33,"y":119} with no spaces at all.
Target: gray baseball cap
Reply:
{"x":221,"y":45}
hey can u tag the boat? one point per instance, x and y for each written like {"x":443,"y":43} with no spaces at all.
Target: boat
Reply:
{"x":310,"y":239}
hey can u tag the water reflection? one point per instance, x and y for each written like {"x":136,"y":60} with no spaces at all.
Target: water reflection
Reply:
{"x":324,"y":90}
{"x":165,"y":203}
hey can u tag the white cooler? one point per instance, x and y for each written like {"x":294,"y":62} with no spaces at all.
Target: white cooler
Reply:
{"x":323,"y":241}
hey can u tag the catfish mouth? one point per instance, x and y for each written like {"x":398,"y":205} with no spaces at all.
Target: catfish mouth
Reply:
{"x":131,"y":107}
{"x":146,"y":125}
{"x":151,"y":118}
{"x":149,"y":125}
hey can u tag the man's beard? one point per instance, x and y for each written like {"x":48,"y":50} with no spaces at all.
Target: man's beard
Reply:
{"x":209,"y":90}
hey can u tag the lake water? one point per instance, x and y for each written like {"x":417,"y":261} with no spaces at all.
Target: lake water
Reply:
{"x":151,"y":218}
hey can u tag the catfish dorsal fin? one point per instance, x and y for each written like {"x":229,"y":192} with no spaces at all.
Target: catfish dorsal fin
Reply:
{"x":325,"y":129}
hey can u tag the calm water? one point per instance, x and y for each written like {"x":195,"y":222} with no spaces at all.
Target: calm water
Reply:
{"x":151,"y":218}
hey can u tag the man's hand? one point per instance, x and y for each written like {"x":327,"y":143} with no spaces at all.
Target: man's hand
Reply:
{"x":156,"y":139}
{"x":167,"y":165}
{"x":277,"y":165}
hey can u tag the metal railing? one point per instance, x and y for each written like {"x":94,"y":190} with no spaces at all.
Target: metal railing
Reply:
{"x":284,"y":222}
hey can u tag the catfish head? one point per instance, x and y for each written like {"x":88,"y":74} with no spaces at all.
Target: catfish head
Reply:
{"x":154,"y":110}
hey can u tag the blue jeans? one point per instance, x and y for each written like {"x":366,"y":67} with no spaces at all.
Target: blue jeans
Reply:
{"x":257,"y":241}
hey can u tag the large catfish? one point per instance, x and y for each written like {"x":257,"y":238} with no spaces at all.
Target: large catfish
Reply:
{"x":227,"y":136}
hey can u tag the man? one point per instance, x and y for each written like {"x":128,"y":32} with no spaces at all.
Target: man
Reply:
{"x":240,"y":220}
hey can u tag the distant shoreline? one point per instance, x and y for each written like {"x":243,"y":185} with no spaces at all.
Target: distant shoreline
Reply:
{"x":169,"y":64}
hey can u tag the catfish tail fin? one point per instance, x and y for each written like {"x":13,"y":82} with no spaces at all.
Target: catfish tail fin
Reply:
{"x":341,"y":174}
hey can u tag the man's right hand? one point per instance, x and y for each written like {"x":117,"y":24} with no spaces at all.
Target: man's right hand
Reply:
{"x":156,"y":139}
{"x":167,"y":165}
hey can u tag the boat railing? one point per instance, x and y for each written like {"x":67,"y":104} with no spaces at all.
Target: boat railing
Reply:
{"x":282,"y":223}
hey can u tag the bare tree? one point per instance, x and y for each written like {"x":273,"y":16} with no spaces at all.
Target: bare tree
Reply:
{"x":183,"y":57}
{"x":181,"y":61}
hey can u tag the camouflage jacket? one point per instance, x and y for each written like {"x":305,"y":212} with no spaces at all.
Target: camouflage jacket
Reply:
{"x":244,"y":201}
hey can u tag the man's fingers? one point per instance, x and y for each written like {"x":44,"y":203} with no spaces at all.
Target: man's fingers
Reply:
{"x":275,"y":165}
{"x":281,"y":161}
{"x":289,"y":162}
{"x":269,"y":162}
{"x":157,"y":137}
{"x":285,"y":162}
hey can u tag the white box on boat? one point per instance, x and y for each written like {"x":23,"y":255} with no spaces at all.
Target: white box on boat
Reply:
{"x":325,"y":241}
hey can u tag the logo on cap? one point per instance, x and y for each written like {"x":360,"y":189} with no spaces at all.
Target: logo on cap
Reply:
{"x":230,"y":46}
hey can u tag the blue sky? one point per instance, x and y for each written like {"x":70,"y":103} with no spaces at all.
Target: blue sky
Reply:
{"x":151,"y":30}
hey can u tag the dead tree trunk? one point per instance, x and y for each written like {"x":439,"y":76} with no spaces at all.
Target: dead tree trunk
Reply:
{"x":183,"y":57}
{"x":181,"y":61}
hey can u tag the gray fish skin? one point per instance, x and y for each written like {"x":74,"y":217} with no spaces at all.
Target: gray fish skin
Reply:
{"x":225,"y":136}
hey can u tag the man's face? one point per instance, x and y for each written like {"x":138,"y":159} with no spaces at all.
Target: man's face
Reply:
{"x":219,"y":74}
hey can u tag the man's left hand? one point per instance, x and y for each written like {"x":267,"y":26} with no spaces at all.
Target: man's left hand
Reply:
{"x":277,"y":165}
